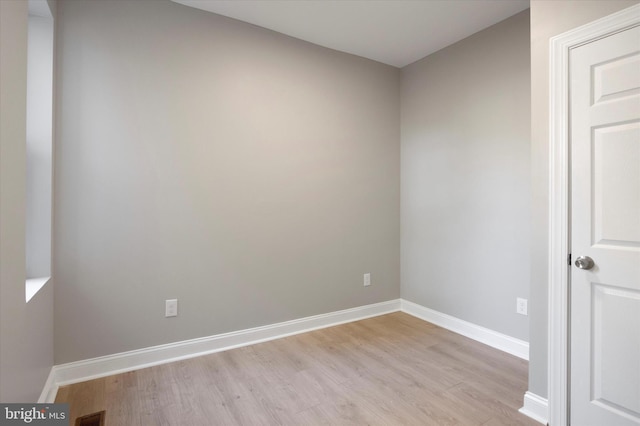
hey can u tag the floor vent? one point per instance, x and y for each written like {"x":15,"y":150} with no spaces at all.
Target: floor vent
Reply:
{"x":95,"y":419}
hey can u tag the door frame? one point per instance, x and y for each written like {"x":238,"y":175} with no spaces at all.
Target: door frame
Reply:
{"x":559,"y":201}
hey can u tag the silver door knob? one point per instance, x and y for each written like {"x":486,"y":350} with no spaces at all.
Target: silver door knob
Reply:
{"x":584,"y":262}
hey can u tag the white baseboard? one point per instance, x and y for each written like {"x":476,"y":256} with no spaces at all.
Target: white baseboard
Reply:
{"x":50,"y":389}
{"x":94,"y":368}
{"x":535,"y":407}
{"x":505,"y":343}
{"x":81,"y":371}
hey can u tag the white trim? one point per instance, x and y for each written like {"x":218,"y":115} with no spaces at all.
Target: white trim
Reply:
{"x":33,"y":285}
{"x":559,"y":244}
{"x":505,"y":343}
{"x":50,"y":389}
{"x":80,"y":371}
{"x":94,"y":368}
{"x":535,"y":407}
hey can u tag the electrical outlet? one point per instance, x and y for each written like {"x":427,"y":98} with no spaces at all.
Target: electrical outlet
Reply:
{"x":367,"y":279}
{"x":171,"y":308}
{"x":521,"y":306}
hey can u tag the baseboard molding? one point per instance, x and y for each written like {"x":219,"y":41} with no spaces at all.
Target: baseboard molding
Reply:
{"x":81,"y":371}
{"x":50,"y":389}
{"x":535,"y":407}
{"x":505,"y":343}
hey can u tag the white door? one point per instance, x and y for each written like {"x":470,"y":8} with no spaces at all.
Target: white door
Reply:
{"x":605,"y":227}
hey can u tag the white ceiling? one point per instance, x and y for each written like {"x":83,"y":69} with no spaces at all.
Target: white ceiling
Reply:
{"x":395,"y":32}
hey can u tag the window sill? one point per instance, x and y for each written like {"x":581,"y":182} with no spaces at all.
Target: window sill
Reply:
{"x":33,"y":285}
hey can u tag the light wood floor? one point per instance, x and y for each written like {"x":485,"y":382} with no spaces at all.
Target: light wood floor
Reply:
{"x":389,"y":370}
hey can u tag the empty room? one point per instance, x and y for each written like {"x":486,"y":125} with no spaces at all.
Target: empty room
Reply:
{"x":320,"y":212}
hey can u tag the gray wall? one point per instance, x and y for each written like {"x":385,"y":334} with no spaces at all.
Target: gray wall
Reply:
{"x":26,"y":330}
{"x":466,"y":178}
{"x":250,"y":175}
{"x":548,"y":18}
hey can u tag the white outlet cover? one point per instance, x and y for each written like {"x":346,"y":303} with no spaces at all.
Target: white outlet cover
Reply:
{"x":367,"y":279}
{"x":171,"y":308}
{"x":521,"y":306}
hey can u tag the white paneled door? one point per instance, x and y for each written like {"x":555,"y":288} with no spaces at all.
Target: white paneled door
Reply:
{"x":605,"y":231}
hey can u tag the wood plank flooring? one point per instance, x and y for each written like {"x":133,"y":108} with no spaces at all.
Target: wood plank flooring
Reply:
{"x":389,"y":370}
